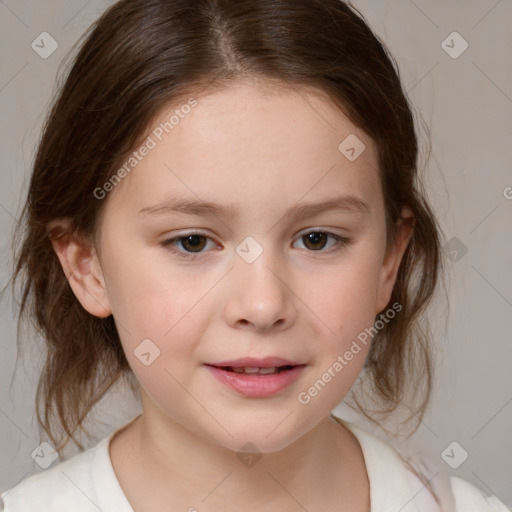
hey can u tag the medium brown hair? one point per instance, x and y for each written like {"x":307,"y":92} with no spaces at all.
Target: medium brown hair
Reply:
{"x":141,"y":55}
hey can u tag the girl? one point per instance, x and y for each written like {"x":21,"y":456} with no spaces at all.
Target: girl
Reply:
{"x":225,"y":211}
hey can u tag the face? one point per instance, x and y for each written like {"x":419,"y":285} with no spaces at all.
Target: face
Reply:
{"x":195,"y":288}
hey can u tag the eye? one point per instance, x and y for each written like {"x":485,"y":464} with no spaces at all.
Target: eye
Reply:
{"x":317,"y":240}
{"x":192,"y":243}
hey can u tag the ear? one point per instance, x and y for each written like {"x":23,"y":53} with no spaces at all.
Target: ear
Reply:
{"x":81,"y":266}
{"x":392,"y":259}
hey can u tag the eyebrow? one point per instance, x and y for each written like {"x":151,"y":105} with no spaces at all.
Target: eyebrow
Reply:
{"x":345,"y":203}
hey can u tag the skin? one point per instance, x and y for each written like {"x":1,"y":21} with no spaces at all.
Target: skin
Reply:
{"x":264,"y":149}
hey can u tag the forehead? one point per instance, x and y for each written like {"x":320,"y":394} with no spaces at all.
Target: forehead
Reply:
{"x":251,"y":143}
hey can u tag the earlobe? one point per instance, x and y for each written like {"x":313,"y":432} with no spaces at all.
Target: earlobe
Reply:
{"x":392,"y":260}
{"x":80,"y":264}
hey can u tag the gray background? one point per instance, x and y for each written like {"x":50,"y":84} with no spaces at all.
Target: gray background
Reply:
{"x":466,"y":102}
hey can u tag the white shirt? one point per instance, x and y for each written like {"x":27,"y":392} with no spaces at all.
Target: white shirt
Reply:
{"x":87,"y":483}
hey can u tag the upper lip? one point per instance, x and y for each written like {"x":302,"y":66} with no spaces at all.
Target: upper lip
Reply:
{"x":253,"y":362}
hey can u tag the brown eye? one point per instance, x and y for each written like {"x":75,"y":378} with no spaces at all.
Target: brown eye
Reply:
{"x":188,"y":245}
{"x":316,"y":240}
{"x":193,"y":243}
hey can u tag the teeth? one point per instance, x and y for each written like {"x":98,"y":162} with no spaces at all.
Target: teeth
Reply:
{"x":268,"y":370}
{"x":248,"y":369}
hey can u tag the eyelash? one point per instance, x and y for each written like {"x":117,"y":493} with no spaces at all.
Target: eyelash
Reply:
{"x":341,"y":243}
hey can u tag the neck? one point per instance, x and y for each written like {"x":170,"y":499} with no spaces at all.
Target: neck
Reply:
{"x":180,"y":463}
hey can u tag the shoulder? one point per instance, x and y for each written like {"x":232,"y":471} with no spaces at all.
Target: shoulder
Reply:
{"x":67,"y":486}
{"x":453,"y":493}
{"x":415,"y":485}
{"x":469,"y":498}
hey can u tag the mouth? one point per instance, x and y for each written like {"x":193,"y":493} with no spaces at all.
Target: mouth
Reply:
{"x":253,"y":370}
{"x":263,"y":380}
{"x":257,"y":363}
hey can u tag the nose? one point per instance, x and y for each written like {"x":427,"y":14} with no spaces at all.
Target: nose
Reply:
{"x":260,"y":296}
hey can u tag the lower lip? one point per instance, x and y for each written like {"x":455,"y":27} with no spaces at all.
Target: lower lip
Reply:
{"x":257,"y":385}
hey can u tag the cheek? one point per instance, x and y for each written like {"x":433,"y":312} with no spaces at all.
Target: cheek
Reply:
{"x":158,"y":317}
{"x":163,"y":328}
{"x":148,"y":294}
{"x":344,"y":302}
{"x":344,"y":297}
{"x":344,"y":306}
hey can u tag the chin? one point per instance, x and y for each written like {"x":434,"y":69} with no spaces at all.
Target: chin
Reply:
{"x":268,"y":435}
{"x":256,"y":442}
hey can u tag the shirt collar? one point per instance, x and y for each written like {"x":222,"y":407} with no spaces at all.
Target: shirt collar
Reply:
{"x":389,"y":486}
